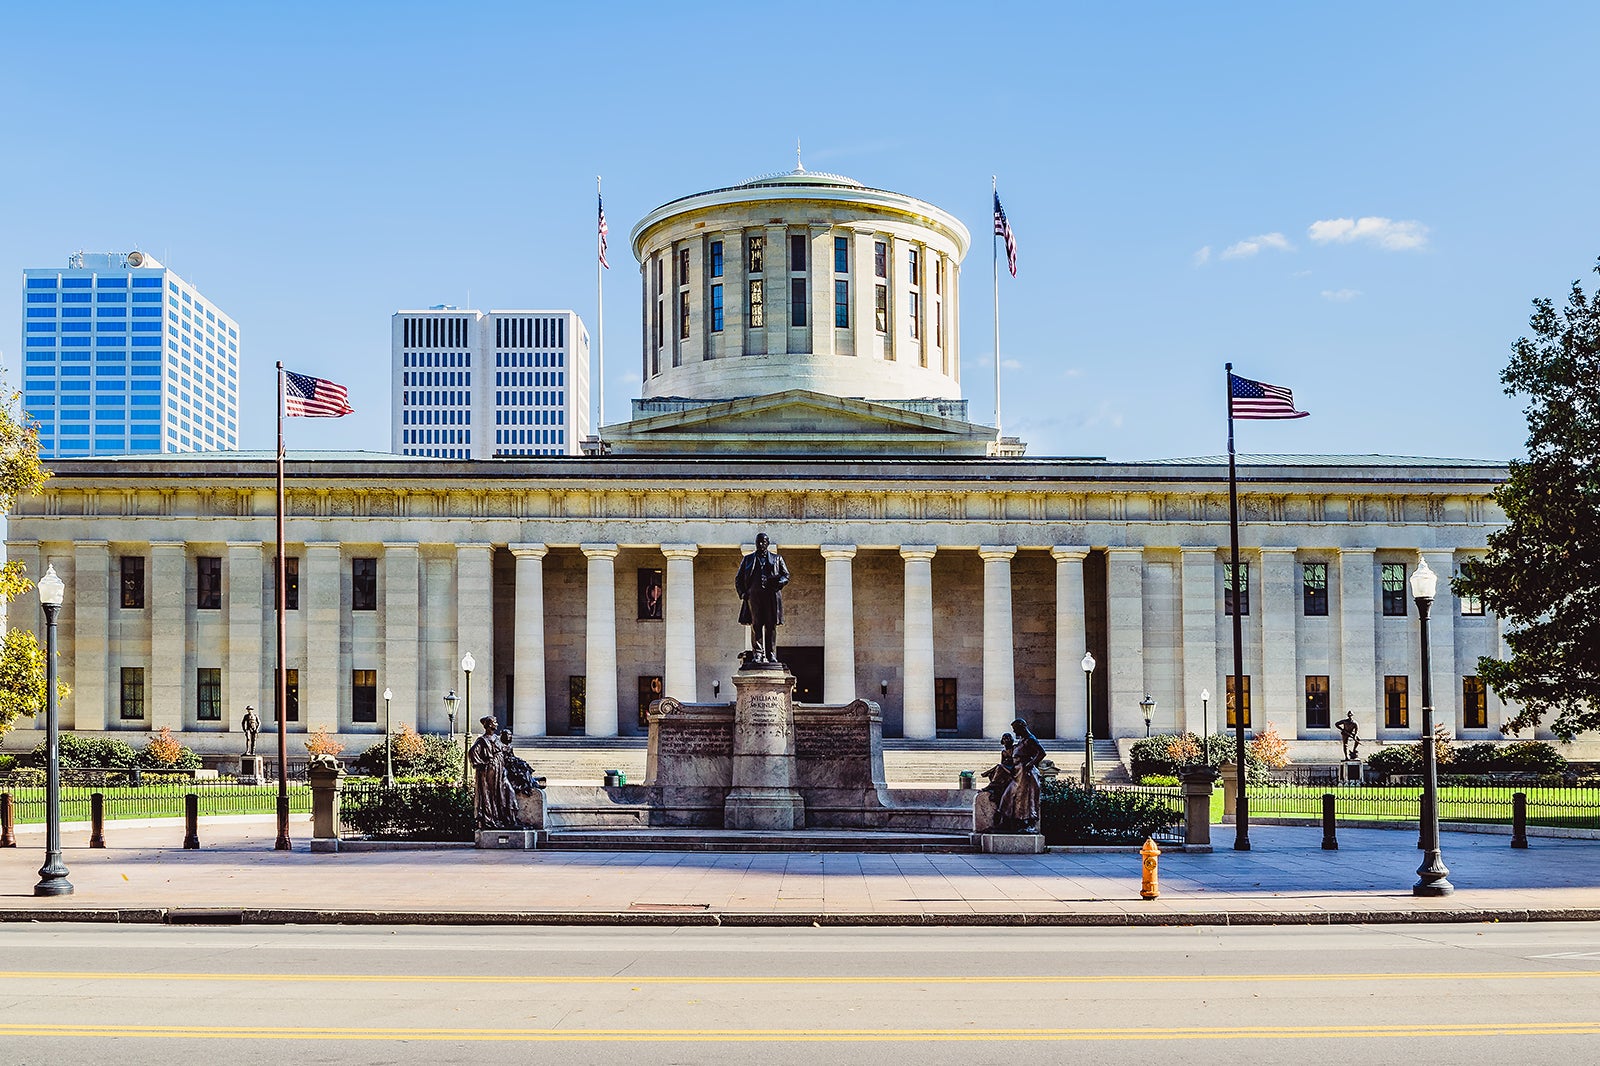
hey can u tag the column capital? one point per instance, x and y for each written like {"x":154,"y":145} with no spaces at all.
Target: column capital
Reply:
{"x":529,"y":551}
{"x":475,"y":546}
{"x":233,"y":545}
{"x":1063,"y":553}
{"x":1197,"y":549}
{"x":680,"y":551}
{"x":400,"y":545}
{"x":599,"y":551}
{"x":1356,"y":551}
{"x":925,"y":552}
{"x":324,"y":546}
{"x":996,"y":553}
{"x":1128,"y":549}
{"x":838,"y":551}
{"x":165,"y":545}
{"x":104,"y":543}
{"x":1275,"y":550}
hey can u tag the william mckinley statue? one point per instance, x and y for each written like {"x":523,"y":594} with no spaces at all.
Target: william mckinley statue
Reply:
{"x":759,"y":583}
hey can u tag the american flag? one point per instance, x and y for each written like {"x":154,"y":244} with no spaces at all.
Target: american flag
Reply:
{"x":1257,"y":399}
{"x":314,"y":397}
{"x":603,"y":231}
{"x":1002,"y":228}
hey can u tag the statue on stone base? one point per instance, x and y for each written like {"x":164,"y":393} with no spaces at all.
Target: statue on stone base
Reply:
{"x":759,"y":583}
{"x":1002,"y":773}
{"x":251,"y":726}
{"x":1018,"y":809}
{"x":493,"y":801}
{"x":1349,"y":735}
{"x":519,"y":774}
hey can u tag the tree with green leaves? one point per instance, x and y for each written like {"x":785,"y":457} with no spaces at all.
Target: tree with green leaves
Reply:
{"x":22,"y":666}
{"x":1542,"y":573}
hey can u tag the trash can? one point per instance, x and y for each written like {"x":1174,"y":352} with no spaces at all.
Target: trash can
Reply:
{"x":967,"y":779}
{"x":614,"y":778}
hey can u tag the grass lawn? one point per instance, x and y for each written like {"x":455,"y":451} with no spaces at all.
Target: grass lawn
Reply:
{"x":159,"y":801}
{"x":1564,"y":807}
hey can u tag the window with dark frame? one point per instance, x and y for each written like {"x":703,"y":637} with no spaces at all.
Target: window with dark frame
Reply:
{"x":841,"y":304}
{"x":716,"y":308}
{"x":291,"y":583}
{"x":915,"y":265}
{"x":758,"y":247}
{"x":797,"y":252}
{"x":841,"y":255}
{"x":1396,"y":712}
{"x":880,"y":307}
{"x":208,"y":588}
{"x":1471,"y":603}
{"x":683,"y":316}
{"x":1314,"y":588}
{"x":1229,"y":595}
{"x":649,"y":692}
{"x":683,"y":266}
{"x":945,"y":705}
{"x":758,"y":312}
{"x":363,"y":695}
{"x":1317,"y":715}
{"x":798,"y":315}
{"x":914,"y":315}
{"x":1474,"y":703}
{"x":1394,"y":590}
{"x":364,"y":584}
{"x":132,"y":702}
{"x":1244,"y":703}
{"x":133,"y":582}
{"x":716,"y":259}
{"x":880,"y":259}
{"x":208,"y":694}
{"x":291,"y":692}
{"x":577,"y":704}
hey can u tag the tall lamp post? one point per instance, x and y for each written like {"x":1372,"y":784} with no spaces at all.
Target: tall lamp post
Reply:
{"x":53,"y":874}
{"x":1088,"y":719}
{"x":467,"y":663}
{"x":388,"y":755}
{"x":1148,"y":706}
{"x":450,"y":701}
{"x":1205,"y":725}
{"x":1432,"y":875}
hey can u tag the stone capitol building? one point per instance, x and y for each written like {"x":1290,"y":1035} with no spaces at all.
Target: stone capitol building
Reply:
{"x":801,"y":368}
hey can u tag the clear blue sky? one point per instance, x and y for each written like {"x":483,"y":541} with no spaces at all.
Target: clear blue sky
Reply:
{"x":314,"y":167}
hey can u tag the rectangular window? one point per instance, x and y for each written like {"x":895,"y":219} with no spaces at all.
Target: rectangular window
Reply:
{"x":132,"y":707}
{"x":291,"y":584}
{"x":916,"y":268}
{"x":1394,"y":589}
{"x":1471,"y":603}
{"x":841,"y":255}
{"x":841,"y":304}
{"x":880,"y":307}
{"x":758,"y":315}
{"x":133,"y":582}
{"x":291,"y":692}
{"x":880,"y":259}
{"x":577,"y":705}
{"x":1474,"y":703}
{"x":683,"y":266}
{"x":683,"y":316}
{"x":938,"y":277}
{"x":363,"y":584}
{"x":1243,"y":593}
{"x":650,"y":588}
{"x":209,"y":586}
{"x":945,"y":705}
{"x":208,"y":694}
{"x":1314,"y":588}
{"x":363,"y":695}
{"x":758,"y":248}
{"x":797,"y":303}
{"x":716,"y":308}
{"x":716,"y":259}
{"x":797,"y":252}
{"x":1317,"y":701}
{"x":1244,"y":703}
{"x":914,"y":319}
{"x":1396,"y":714}
{"x":649,"y":692}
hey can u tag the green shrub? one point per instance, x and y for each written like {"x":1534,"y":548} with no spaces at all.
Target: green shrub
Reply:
{"x":430,"y":810}
{"x":1154,"y":756}
{"x":8,"y":763}
{"x":26,"y":777}
{"x":1159,"y":781}
{"x":88,"y":752}
{"x":1396,"y":759}
{"x":439,"y":758}
{"x":1070,"y":814}
{"x":1523,"y":756}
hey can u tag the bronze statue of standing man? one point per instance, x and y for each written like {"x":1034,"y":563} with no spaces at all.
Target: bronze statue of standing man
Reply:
{"x":759,"y":583}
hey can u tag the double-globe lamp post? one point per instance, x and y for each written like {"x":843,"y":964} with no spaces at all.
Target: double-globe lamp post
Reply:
{"x":388,"y":754}
{"x":53,"y":874}
{"x":1432,"y":875}
{"x":1088,"y":719}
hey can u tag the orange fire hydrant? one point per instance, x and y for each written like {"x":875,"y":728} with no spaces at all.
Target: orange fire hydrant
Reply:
{"x":1150,"y":889}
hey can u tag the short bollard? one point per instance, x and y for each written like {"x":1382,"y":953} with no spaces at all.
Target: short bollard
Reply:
{"x":1150,"y":889}
{"x":97,"y":819}
{"x":1330,"y":841}
{"x":1519,"y":819}
{"x":8,"y":827}
{"x":191,"y":822}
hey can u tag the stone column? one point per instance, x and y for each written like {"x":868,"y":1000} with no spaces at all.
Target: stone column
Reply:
{"x":1281,"y":698}
{"x":1072,"y":640}
{"x":838,"y":623}
{"x":999,"y":646}
{"x":322,"y":689}
{"x":822,"y":279}
{"x":917,"y":717}
{"x":1198,"y":581}
{"x":527,"y":657}
{"x":1125,"y":640}
{"x":475,"y":627}
{"x":168,"y":595}
{"x":402,"y":613}
{"x":90,"y":707}
{"x":600,"y":646}
{"x":1441,"y":646}
{"x":242,"y":679}
{"x":678,"y":679}
{"x":1357,"y":689}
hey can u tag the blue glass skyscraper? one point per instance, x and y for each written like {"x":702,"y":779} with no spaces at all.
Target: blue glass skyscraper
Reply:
{"x":120,"y":355}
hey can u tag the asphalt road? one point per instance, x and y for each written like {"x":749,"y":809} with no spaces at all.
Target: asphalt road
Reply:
{"x":1501,"y":994}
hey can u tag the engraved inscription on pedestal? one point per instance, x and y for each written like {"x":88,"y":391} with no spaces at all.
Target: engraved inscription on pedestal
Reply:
{"x":763,"y":794}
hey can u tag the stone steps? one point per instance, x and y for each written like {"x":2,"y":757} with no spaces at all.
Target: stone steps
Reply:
{"x":735,"y":840}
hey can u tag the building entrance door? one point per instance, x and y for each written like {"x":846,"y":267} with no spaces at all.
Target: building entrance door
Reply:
{"x":806,"y":666}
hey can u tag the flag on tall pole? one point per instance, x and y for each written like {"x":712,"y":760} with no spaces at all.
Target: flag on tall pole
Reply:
{"x":314,"y":397}
{"x":1002,"y":228}
{"x":603,"y":228}
{"x":1247,"y":399}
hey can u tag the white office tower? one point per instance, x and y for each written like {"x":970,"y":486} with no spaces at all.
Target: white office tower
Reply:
{"x":481,"y":385}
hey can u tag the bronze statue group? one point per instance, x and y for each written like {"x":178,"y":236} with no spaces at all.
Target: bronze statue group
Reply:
{"x":499,"y":778}
{"x":1014,"y":781}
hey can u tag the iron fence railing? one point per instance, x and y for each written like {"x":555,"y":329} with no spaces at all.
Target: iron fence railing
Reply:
{"x":407,"y":810}
{"x":1478,"y":799}
{"x":145,"y":794}
{"x":1169,"y":798}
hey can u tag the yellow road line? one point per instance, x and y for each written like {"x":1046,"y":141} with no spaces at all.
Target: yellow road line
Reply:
{"x":1296,"y":1032}
{"x":572,"y":979}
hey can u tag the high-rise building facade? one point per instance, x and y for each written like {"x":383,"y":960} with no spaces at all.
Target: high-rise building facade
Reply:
{"x":477,"y":385}
{"x":121,"y":355}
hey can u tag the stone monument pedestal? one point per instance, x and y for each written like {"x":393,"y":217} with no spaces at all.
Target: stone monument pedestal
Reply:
{"x":1350,"y":771}
{"x":250,"y":770}
{"x":764,"y":796}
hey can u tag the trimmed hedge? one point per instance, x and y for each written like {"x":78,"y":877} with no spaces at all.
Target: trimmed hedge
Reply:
{"x":1070,"y":814}
{"x":420,"y":810}
{"x":1523,"y":756}
{"x":440,"y":758}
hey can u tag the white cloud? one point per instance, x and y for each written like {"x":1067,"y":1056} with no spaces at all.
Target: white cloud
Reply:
{"x":1386,"y":233}
{"x":1011,"y":364}
{"x":1102,"y":417}
{"x":631,"y":379}
{"x":1340,"y":296}
{"x":1301,"y":274}
{"x":1251,"y":245}
{"x":1203,"y":256}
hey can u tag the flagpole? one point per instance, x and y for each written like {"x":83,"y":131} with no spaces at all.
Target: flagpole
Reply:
{"x":600,"y":325}
{"x":282,"y":679}
{"x":994,"y":270}
{"x":1241,"y":817}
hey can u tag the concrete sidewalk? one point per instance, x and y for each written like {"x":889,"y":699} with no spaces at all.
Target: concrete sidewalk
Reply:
{"x":145,"y":876}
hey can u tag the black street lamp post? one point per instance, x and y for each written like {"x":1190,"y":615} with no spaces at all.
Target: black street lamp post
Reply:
{"x":1432,"y":875}
{"x":53,"y":874}
{"x":1148,"y":706}
{"x":1205,"y":725}
{"x":450,"y":701}
{"x":1088,"y":719}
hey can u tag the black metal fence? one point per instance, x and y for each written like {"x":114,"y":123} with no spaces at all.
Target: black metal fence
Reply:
{"x":1171,"y":799}
{"x":409,"y":810}
{"x":145,"y":794}
{"x":1478,"y":799}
